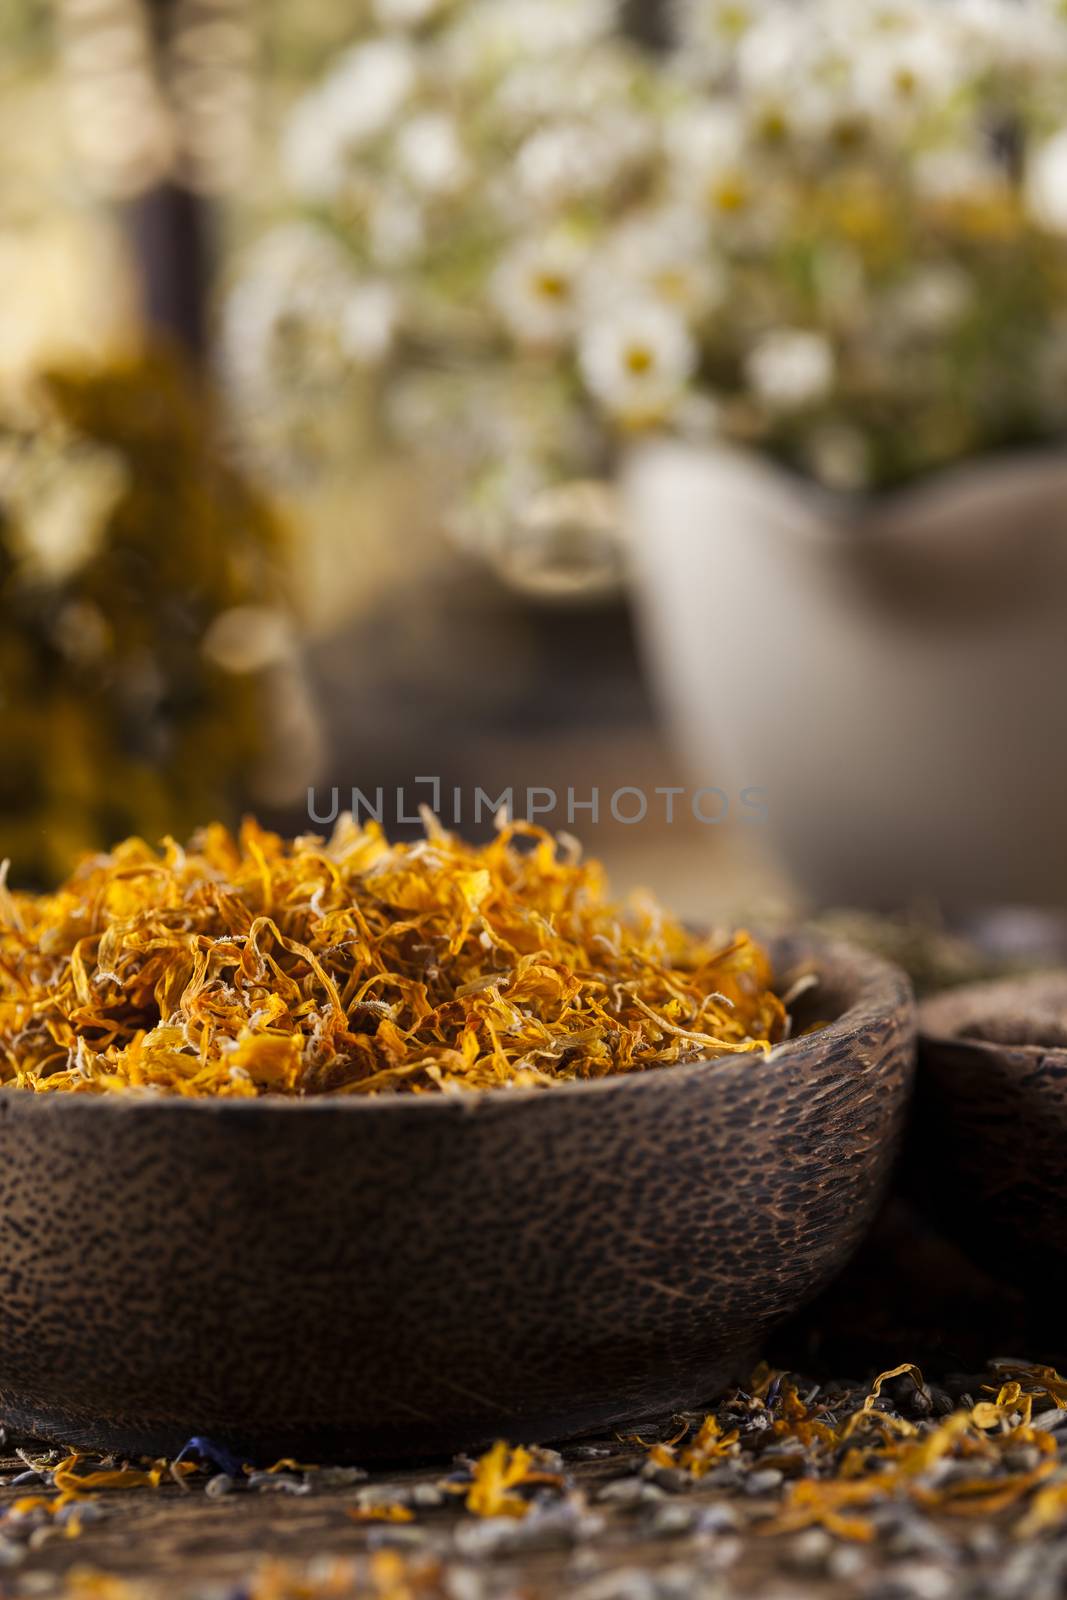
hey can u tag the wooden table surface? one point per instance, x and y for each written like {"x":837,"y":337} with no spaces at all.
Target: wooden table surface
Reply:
{"x":177,"y":1543}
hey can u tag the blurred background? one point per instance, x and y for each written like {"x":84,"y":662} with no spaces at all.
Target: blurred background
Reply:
{"x":543,"y":394}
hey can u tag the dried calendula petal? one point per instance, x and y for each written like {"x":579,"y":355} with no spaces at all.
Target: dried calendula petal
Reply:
{"x":251,"y":965}
{"x":497,"y":1473}
{"x":707,"y":1447}
{"x":86,"y":1583}
{"x":393,"y":1511}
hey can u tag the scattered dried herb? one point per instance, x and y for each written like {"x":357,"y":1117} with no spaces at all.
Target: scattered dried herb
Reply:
{"x":86,"y":1583}
{"x":710,"y":1444}
{"x":980,"y":1459}
{"x":915,"y":1488}
{"x":252,"y":965}
{"x":383,"y":1575}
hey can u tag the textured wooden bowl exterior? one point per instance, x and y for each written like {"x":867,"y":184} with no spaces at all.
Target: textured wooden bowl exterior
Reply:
{"x":404,"y":1277}
{"x":988,"y":1153}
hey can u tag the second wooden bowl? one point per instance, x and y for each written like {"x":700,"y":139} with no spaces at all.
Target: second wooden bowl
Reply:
{"x":408,"y":1276}
{"x":988,"y":1153}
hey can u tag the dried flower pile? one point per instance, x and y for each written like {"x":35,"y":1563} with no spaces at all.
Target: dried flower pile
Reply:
{"x":352,"y":966}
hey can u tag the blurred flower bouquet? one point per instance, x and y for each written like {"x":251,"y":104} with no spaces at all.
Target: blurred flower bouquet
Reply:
{"x":830,"y":231}
{"x":146,"y":678}
{"x":471,"y":177}
{"x":889,"y":191}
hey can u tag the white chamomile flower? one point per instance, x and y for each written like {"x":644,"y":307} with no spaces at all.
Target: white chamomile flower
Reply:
{"x":709,"y":158}
{"x":931,"y":299}
{"x":707,"y":138}
{"x":532,"y":93}
{"x":430,"y":155}
{"x":1011,"y":35}
{"x":797,"y":71}
{"x":311,"y":155}
{"x":790,"y":368}
{"x":491,"y":37}
{"x":362,"y":95}
{"x":1046,"y":184}
{"x":710,"y":31}
{"x":636,"y":362}
{"x":576,"y":160}
{"x":535,"y":92}
{"x":370,"y":84}
{"x":406,"y":13}
{"x":282,"y":316}
{"x":367,"y":323}
{"x":548,"y":27}
{"x":396,"y":229}
{"x":663,"y":254}
{"x":774,"y":51}
{"x":535,"y":289}
{"x":907,"y":71}
{"x":555,"y":165}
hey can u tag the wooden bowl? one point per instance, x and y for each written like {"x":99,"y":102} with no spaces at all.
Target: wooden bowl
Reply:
{"x":988,"y":1152}
{"x":403,"y":1277}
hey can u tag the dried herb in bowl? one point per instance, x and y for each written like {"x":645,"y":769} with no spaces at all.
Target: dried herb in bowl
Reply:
{"x":253,"y":965}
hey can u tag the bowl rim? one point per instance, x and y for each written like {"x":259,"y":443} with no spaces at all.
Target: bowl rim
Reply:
{"x":935,"y":1035}
{"x":881,"y":989}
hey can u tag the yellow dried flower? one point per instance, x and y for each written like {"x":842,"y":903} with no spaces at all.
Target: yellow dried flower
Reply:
{"x":497,"y":1473}
{"x":252,"y":965}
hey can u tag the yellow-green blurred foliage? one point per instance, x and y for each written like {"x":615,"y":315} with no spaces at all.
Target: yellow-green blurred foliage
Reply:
{"x":139,"y":579}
